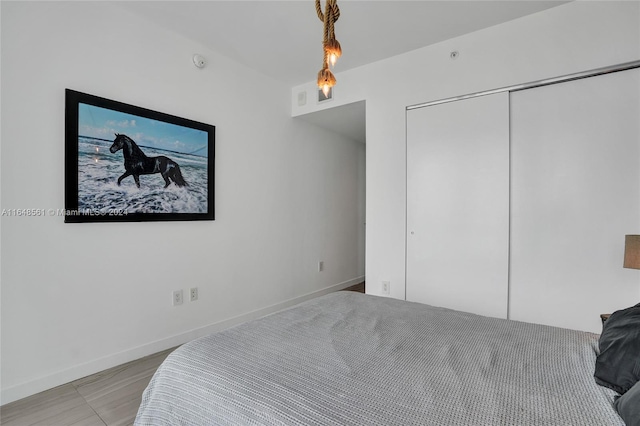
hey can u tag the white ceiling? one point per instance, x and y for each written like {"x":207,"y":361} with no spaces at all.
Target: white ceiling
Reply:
{"x":283,"y":39}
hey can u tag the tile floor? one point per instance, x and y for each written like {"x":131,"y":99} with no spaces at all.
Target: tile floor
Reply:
{"x":107,"y":398}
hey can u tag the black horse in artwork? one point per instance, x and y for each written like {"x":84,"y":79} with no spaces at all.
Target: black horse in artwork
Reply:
{"x":136,"y":163}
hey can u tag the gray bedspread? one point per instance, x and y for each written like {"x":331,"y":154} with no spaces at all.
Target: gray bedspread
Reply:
{"x":353,"y":359}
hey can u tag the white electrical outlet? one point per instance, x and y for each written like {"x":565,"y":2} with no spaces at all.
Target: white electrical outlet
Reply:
{"x":386,"y":287}
{"x":321,"y":266}
{"x":193,"y":294}
{"x":177,"y":297}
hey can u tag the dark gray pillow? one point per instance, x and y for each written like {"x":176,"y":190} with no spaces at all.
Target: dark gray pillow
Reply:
{"x":628,"y":406}
{"x":618,"y":364}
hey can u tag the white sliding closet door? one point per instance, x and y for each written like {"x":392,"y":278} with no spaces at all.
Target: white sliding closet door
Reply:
{"x":575,"y":193}
{"x":458,"y":204}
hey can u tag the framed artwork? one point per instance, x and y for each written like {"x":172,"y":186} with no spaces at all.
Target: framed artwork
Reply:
{"x":129,"y":164}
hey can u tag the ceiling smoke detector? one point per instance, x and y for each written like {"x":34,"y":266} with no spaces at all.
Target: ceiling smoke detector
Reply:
{"x":199,"y":61}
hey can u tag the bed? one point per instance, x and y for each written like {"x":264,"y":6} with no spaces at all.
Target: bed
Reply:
{"x":353,"y":359}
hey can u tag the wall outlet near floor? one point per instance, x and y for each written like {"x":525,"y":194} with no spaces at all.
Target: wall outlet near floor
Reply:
{"x":193,"y":294}
{"x":321,"y":266}
{"x":177,"y":297}
{"x":386,"y":287}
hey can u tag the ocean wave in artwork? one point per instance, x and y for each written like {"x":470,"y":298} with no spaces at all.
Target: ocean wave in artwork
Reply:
{"x":98,"y":189}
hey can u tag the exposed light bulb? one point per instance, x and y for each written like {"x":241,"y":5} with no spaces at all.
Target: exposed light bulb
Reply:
{"x":333,"y":58}
{"x":326,"y":80}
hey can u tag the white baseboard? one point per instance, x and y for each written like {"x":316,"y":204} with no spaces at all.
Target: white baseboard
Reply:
{"x":32,"y":387}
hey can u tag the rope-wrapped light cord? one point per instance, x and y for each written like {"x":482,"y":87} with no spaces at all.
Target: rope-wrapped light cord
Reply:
{"x":334,"y":9}
{"x":331,"y":47}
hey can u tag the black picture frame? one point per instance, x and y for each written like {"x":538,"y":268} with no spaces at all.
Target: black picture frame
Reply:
{"x":100,"y":188}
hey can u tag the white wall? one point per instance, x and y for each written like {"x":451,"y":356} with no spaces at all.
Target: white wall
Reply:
{"x":574,"y":37}
{"x":78,"y":298}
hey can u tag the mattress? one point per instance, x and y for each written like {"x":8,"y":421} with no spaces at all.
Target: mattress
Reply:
{"x":353,"y":359}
